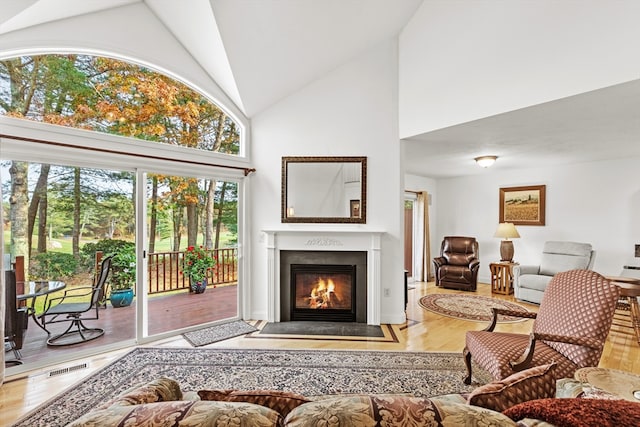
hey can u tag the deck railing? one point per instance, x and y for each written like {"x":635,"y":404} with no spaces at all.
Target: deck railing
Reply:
{"x":165,"y":270}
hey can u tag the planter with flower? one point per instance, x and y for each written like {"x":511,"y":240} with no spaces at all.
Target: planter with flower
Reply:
{"x":197,"y":262}
{"x":122,"y":279}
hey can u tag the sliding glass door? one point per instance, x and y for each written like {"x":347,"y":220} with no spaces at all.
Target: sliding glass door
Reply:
{"x":191,"y":252}
{"x":165,"y":233}
{"x":61,"y":221}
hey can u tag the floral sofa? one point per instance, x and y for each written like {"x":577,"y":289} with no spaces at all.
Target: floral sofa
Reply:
{"x":511,"y":402}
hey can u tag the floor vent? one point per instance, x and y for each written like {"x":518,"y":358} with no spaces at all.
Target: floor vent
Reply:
{"x":67,"y":370}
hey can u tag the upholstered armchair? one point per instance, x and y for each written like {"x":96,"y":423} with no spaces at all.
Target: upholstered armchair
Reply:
{"x":530,"y":281}
{"x":570,"y":329}
{"x":458,"y":263}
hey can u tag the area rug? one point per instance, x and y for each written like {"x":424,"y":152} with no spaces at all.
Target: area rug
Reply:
{"x":469,"y":307}
{"x":308,"y":372}
{"x":217,"y":333}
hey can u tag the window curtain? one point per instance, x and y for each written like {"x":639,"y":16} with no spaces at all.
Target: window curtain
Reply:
{"x":422,"y":233}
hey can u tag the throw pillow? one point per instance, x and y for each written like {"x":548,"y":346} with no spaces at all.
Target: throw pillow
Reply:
{"x":282,"y":402}
{"x":576,"y":412}
{"x":159,"y":390}
{"x":182,"y":414}
{"x":391,"y":411}
{"x":534,"y":383}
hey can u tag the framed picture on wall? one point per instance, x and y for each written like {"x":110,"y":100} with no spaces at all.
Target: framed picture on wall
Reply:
{"x":523,"y":205}
{"x":355,"y":208}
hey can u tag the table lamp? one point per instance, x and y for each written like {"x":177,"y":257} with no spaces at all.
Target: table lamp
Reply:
{"x":506,"y":230}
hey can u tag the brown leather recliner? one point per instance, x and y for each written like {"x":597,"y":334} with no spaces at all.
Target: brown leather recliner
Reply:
{"x":458,"y":263}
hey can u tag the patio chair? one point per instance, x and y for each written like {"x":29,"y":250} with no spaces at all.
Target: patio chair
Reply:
{"x":570,"y":328}
{"x":76,"y":306}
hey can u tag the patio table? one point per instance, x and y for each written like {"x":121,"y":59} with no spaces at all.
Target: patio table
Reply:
{"x":37,"y":289}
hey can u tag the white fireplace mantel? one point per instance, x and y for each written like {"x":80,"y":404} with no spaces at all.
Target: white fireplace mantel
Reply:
{"x":322,"y":240}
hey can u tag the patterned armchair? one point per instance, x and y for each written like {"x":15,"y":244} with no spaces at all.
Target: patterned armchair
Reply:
{"x":458,"y":263}
{"x":570,"y":329}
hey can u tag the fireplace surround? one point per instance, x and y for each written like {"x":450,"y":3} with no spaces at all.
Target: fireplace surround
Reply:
{"x":280,"y":243}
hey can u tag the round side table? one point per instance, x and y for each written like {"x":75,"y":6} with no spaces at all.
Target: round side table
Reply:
{"x":630,"y":289}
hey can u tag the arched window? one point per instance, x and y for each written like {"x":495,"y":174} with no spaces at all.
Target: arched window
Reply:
{"x":116,"y":97}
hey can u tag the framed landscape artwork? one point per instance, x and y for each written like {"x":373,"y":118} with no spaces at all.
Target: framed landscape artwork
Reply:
{"x":523,"y":205}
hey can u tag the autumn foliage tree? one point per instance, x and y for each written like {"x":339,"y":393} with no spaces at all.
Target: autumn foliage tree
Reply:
{"x":112,"y":96}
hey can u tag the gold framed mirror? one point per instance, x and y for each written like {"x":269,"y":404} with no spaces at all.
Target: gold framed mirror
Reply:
{"x":324,"y":190}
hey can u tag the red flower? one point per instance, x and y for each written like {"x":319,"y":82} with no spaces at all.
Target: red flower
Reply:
{"x":197,"y":262}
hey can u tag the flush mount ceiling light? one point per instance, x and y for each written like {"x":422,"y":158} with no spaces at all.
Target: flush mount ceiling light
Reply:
{"x":485,"y":161}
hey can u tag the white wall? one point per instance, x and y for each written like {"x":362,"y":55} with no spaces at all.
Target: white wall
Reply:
{"x":463,"y":60}
{"x":349,"y":112}
{"x":597,"y":203}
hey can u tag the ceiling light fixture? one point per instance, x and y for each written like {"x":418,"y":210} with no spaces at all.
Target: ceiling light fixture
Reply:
{"x":485,"y":161}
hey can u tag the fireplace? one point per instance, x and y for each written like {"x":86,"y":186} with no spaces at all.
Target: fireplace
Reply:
{"x":301,"y":246}
{"x":323,"y":286}
{"x":323,"y":292}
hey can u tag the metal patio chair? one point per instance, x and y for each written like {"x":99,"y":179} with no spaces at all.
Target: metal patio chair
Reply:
{"x":76,"y":306}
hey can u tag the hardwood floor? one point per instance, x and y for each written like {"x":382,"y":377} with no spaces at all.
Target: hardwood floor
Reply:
{"x":424,"y":331}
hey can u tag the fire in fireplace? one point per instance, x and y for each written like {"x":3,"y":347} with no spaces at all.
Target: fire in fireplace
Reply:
{"x":323,"y":292}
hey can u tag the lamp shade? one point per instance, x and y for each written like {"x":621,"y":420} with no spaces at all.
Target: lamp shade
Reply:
{"x":507,"y":230}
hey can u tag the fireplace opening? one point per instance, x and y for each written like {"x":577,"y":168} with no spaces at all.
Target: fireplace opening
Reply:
{"x":323,"y":292}
{"x":321,"y":263}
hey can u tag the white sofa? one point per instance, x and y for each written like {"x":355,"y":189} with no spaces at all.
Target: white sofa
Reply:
{"x":530,"y":281}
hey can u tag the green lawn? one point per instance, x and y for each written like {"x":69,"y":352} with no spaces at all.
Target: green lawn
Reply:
{"x":63,"y":244}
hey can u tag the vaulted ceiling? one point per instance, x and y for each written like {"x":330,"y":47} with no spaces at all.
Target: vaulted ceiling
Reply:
{"x":258,"y":51}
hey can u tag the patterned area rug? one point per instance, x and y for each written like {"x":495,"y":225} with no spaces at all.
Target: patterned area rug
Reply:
{"x":218,"y":333}
{"x":310,"y":373}
{"x":469,"y":307}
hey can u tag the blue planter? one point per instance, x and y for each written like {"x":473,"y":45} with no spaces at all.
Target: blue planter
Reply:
{"x":121,"y":298}
{"x":199,"y":287}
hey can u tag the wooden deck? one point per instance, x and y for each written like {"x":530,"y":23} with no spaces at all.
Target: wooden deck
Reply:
{"x":166,"y":313}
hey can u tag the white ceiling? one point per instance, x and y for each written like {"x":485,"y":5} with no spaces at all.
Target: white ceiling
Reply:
{"x":261,"y":51}
{"x":598,"y":125}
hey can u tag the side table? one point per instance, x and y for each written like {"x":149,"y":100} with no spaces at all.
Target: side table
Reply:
{"x":622,"y":384}
{"x":630,"y":289}
{"x":502,"y":277}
